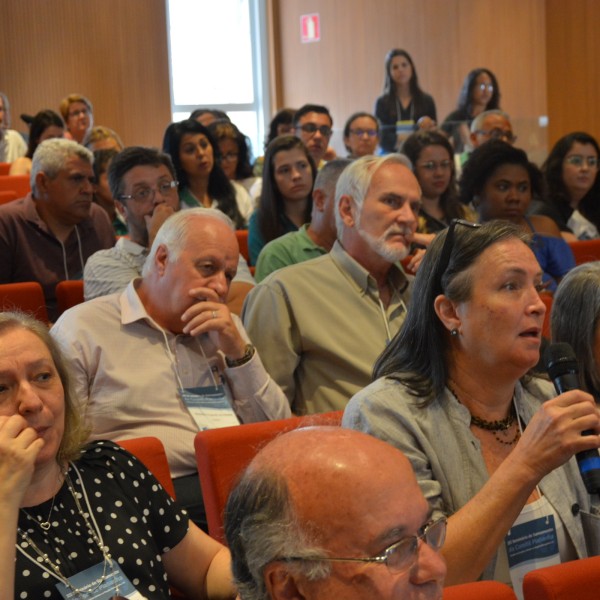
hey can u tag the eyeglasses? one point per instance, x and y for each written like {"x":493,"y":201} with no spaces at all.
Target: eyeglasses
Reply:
{"x":230,"y":156}
{"x":361,"y":132}
{"x":446,"y":252}
{"x":145,"y":195}
{"x":486,"y":86}
{"x":577,"y":160}
{"x":432,"y":165}
{"x":398,"y":557}
{"x":311,"y":129}
{"x":81,"y":111}
{"x":498,"y":134}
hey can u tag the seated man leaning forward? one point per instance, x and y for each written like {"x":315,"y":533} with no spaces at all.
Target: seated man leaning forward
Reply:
{"x":48,"y":235}
{"x":142,"y":182}
{"x":165,"y":357}
{"x":320,"y":325}
{"x":294,"y":531}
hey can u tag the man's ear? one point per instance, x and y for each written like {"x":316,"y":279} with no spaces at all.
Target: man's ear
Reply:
{"x":161,"y":258}
{"x":121,"y":208}
{"x":41,"y":183}
{"x":280,"y":583}
{"x":319,"y":198}
{"x":445,"y":309}
{"x":347,"y":210}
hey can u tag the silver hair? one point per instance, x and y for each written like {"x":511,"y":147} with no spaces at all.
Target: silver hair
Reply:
{"x":261,"y":527}
{"x":6,"y":104}
{"x":575,"y":318}
{"x":173,"y":232}
{"x":356,"y":179}
{"x":52,"y":155}
{"x":477,"y":122}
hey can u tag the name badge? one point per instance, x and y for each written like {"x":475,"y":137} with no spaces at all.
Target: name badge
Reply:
{"x":99,"y":584}
{"x":531,"y":545}
{"x":209,"y":407}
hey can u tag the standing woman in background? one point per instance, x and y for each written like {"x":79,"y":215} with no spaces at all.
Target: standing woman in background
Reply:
{"x":202,"y":182}
{"x":285,"y":202}
{"x":403,"y":106}
{"x":479,"y":92}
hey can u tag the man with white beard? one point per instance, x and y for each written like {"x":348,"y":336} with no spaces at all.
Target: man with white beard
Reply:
{"x":320,"y":325}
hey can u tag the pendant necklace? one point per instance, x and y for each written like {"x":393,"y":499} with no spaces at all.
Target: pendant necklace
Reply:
{"x":53,"y":569}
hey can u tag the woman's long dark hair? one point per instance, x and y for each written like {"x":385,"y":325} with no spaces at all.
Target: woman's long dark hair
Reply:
{"x":557,"y":193}
{"x":389,"y":86}
{"x":219,"y":186}
{"x":417,"y":356}
{"x":414,"y":145}
{"x":39,"y":124}
{"x":271,"y":204}
{"x":465,"y":101}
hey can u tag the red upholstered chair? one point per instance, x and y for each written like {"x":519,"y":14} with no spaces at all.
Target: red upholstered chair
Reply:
{"x":585,"y":251}
{"x":15,"y":183}
{"x":242,"y":238}
{"x":151,"y":452}
{"x":575,"y":580}
{"x":222,"y":454}
{"x":4,"y":168}
{"x":27,"y":296}
{"x":479,"y":590}
{"x":8,"y":196}
{"x":68,"y":294}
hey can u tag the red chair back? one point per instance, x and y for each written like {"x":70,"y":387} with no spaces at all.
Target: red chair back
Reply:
{"x":68,"y":294}
{"x":479,"y":590}
{"x":4,"y":168}
{"x":242,"y":238}
{"x":575,"y":580}
{"x":15,"y":183}
{"x":547,"y":299}
{"x":585,"y":251}
{"x":27,"y":296}
{"x":7,"y":196}
{"x":222,"y":454}
{"x":151,"y":452}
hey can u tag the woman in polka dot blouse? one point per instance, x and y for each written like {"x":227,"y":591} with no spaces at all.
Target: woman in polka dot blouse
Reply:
{"x":83,"y":523}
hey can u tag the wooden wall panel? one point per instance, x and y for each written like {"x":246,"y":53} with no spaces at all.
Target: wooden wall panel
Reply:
{"x":573,"y":48}
{"x":446,"y":38}
{"x":112,"y":51}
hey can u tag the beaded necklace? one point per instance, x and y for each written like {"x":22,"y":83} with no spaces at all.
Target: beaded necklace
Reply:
{"x":92,"y":526}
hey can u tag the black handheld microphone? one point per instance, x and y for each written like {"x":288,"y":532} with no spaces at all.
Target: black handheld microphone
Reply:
{"x":562,"y":368}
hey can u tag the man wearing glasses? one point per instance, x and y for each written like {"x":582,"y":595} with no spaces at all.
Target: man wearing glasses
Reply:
{"x":332,"y":513}
{"x":491,"y":125}
{"x":142,"y":181}
{"x":313,"y":125}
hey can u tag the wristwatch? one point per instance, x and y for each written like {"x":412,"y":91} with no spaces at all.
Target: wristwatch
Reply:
{"x":238,"y":362}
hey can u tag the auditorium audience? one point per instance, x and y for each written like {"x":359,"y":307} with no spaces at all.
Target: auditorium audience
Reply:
{"x":315,"y":496}
{"x":573,"y":186}
{"x":313,"y":125}
{"x":45,"y":125}
{"x":12,"y":144}
{"x":195,"y":367}
{"x":319,"y":325}
{"x":492,"y":447}
{"x":403,"y":106}
{"x":95,"y":502}
{"x":312,"y":239}
{"x":202,"y":182}
{"x":576,"y":321}
{"x":102,"y":138}
{"x":281,"y":124}
{"x":102,"y":195}
{"x":479,"y":92}
{"x":361,"y":134}
{"x":48,"y":235}
{"x":285,"y":202}
{"x":78,"y":113}
{"x":500,"y":182}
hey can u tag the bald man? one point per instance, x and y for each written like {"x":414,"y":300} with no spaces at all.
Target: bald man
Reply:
{"x":325,"y":512}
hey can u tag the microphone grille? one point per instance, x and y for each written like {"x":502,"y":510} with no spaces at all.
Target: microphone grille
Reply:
{"x":560,"y":359}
